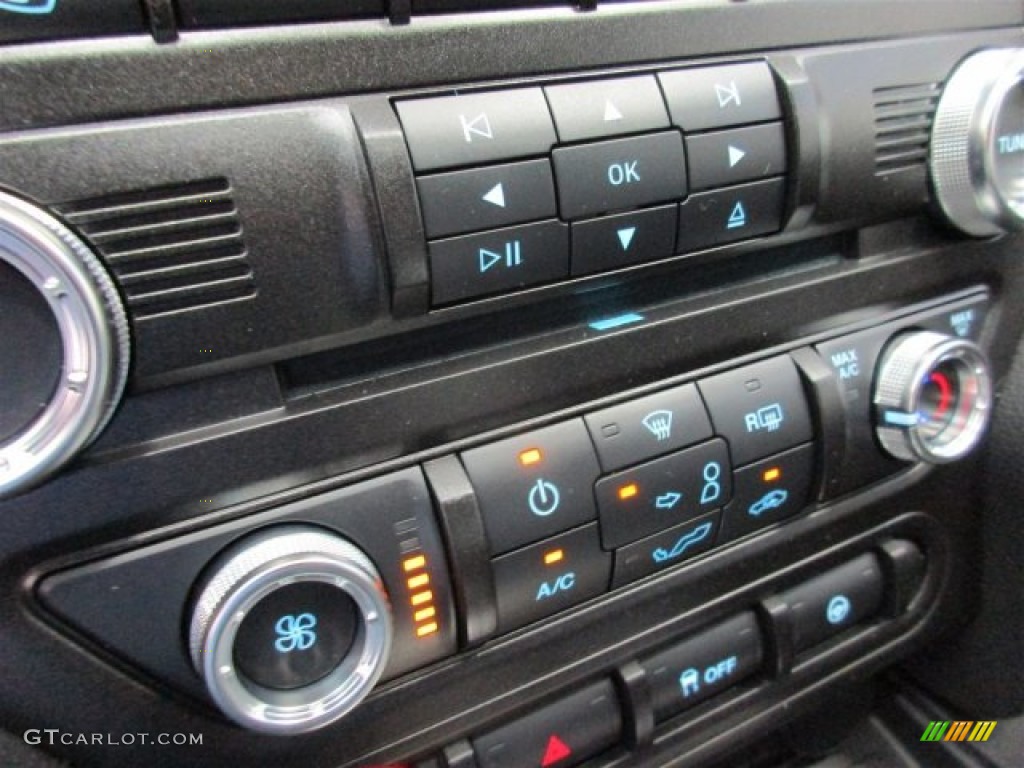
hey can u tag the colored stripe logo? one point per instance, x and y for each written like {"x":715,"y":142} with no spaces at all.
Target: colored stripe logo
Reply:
{"x":958,"y":730}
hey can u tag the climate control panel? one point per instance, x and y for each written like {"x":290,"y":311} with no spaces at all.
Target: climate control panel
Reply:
{"x":294,"y":613}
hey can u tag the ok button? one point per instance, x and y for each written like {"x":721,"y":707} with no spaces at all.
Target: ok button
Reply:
{"x":617,"y":175}
{"x":623,"y":173}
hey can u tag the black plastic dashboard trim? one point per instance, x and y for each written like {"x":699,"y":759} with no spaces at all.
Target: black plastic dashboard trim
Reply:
{"x":137,"y":76}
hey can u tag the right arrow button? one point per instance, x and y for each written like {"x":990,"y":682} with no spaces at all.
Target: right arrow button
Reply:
{"x":741,"y":154}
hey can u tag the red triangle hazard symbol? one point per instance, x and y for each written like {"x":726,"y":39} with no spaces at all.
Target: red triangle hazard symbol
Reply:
{"x":557,"y":751}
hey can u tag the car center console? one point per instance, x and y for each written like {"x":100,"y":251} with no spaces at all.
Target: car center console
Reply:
{"x":607,"y":408}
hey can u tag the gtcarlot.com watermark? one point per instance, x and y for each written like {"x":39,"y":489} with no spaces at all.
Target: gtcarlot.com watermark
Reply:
{"x":54,"y":736}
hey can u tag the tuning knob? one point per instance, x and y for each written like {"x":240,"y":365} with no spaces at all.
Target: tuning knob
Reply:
{"x":976,"y":154}
{"x":64,"y":345}
{"x":291,"y":629}
{"x":933,"y":397}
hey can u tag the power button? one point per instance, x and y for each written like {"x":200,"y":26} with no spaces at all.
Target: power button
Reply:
{"x":535,"y":485}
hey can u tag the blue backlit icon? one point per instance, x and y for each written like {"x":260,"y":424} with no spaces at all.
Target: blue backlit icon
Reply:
{"x":712,"y":489}
{"x":962,"y":321}
{"x":295,"y":633}
{"x":626,"y":236}
{"x":29,"y":7}
{"x":771,"y":500}
{"x":659,"y":424}
{"x":838,"y":609}
{"x":766,"y":419}
{"x":689,"y":682}
{"x":544,"y":498}
{"x":623,"y":173}
{"x":511,"y":257}
{"x":668,"y":500}
{"x":738,"y":217}
{"x":564,"y":583}
{"x":901,"y":418}
{"x":685,"y":542}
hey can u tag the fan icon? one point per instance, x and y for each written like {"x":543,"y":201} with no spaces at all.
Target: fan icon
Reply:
{"x":295,"y":633}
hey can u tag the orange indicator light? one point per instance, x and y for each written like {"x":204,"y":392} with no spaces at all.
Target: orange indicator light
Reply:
{"x":426,"y":629}
{"x":414,"y":563}
{"x":420,"y":598}
{"x":530,"y":457}
{"x":418,"y":581}
{"x":628,"y":491}
{"x":423,"y":614}
{"x":771,"y":475}
{"x":554,"y":556}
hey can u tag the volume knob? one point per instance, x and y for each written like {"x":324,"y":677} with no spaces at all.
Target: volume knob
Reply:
{"x":976,"y":155}
{"x":64,"y":345}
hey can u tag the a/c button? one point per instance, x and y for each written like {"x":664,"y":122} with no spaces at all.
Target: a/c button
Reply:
{"x":550,"y":576}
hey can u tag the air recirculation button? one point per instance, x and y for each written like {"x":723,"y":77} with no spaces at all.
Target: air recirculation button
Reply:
{"x":291,"y":629}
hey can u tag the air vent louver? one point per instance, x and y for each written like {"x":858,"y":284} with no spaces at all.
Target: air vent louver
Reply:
{"x":171,"y":248}
{"x":903,"y":124}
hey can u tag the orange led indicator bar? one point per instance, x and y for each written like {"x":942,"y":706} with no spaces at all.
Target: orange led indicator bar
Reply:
{"x":426,"y":629}
{"x":418,"y":581}
{"x":423,"y":614}
{"x":628,"y":491}
{"x":530,"y":457}
{"x":414,"y":563}
{"x":420,"y":598}
{"x":554,"y":556}
{"x":771,"y":475}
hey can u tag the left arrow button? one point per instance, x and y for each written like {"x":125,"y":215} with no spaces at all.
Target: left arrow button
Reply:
{"x":496,"y":195}
{"x":486,"y":198}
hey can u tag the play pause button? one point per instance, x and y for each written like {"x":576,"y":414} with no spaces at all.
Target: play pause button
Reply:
{"x":623,"y":239}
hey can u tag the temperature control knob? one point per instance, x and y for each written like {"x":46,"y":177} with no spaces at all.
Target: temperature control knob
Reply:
{"x":291,"y":629}
{"x":976,"y":154}
{"x":64,"y":345}
{"x":932,"y":397}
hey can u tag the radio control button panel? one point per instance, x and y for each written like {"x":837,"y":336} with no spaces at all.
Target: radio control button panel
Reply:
{"x":618,"y":150}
